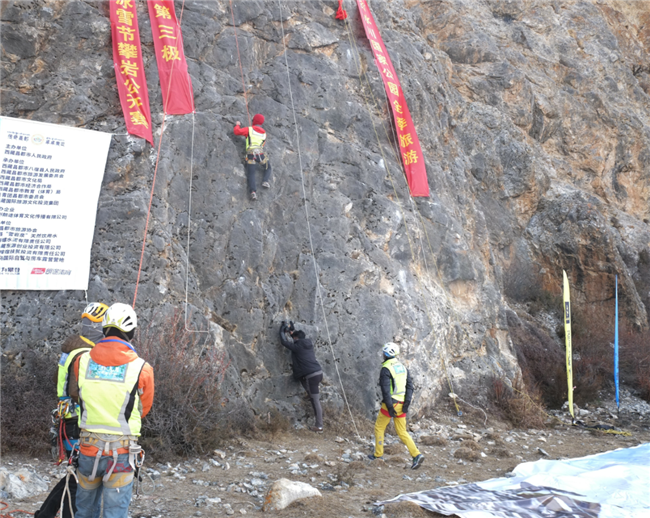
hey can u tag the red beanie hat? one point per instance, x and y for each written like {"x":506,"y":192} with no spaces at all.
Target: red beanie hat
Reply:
{"x":258,"y":119}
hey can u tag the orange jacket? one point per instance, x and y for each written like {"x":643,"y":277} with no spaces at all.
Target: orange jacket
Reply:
{"x":111,"y":354}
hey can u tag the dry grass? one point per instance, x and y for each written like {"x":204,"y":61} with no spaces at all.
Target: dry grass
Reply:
{"x":407,"y":510}
{"x":498,"y":441}
{"x":433,"y":440}
{"x":272,"y":424}
{"x":471,"y":444}
{"x":501,"y":452}
{"x":467,"y":454}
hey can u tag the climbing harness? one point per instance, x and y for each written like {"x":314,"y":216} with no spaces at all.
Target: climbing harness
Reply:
{"x":311,"y":241}
{"x":110,"y":444}
{"x":58,"y":430}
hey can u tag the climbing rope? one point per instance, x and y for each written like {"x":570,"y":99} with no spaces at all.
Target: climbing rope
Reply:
{"x":155,"y":171}
{"x":241,"y":67}
{"x":189,"y":231}
{"x":311,"y":242}
{"x":356,"y":55}
{"x":10,"y":514}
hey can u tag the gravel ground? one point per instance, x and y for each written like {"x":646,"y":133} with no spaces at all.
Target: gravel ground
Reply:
{"x":233,"y":480}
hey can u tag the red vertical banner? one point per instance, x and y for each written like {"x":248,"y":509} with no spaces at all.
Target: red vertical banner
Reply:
{"x":410,"y":150}
{"x":175,"y":80}
{"x":129,"y":68}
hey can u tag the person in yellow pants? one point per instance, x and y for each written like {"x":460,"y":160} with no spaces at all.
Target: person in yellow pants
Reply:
{"x":397,"y":391}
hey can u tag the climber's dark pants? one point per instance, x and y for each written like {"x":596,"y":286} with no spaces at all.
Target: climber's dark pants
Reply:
{"x":251,"y":171}
{"x":310,"y":384}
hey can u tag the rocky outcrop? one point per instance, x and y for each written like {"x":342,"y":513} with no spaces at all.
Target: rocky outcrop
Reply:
{"x":534,"y":119}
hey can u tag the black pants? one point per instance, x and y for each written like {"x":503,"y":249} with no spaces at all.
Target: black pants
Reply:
{"x":310,"y":383}
{"x":251,"y":172}
{"x":52,"y":503}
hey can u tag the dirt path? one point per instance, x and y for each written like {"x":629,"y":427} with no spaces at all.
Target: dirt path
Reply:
{"x":234,"y":480}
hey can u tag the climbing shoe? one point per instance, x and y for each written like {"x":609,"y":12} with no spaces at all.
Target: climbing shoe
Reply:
{"x":266,"y":185}
{"x":372,"y":457}
{"x":317,"y":429}
{"x":253,"y":196}
{"x":417,"y":461}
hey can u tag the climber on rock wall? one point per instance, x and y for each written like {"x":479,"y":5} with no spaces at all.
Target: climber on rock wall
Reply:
{"x":306,"y":368}
{"x":255,"y":156}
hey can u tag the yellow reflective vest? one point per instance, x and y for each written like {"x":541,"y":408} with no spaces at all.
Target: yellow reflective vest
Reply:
{"x":254,"y":140}
{"x":65,"y":361}
{"x":109,"y":397}
{"x":398,"y":375}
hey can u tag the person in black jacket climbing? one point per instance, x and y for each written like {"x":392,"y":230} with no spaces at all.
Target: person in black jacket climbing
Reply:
{"x":306,"y":368}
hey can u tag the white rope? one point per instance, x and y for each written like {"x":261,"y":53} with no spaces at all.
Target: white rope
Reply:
{"x":311,"y":242}
{"x":189,"y":231}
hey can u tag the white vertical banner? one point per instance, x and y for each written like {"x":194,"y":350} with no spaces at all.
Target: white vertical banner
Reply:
{"x":50,"y":178}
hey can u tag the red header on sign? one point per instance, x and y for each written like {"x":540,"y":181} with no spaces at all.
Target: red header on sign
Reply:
{"x":175,"y":80}
{"x":412,"y":157}
{"x":129,"y":69}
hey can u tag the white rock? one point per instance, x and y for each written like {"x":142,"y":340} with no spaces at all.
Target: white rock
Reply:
{"x":220,"y":454}
{"x":283,"y":492}
{"x":24,"y":484}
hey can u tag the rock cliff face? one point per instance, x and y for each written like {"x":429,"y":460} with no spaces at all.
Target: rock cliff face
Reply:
{"x":535,"y":121}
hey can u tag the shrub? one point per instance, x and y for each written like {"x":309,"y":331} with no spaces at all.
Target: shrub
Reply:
{"x":634,"y":359}
{"x":519,"y":405}
{"x":273,"y":423}
{"x":541,"y":361}
{"x":28,"y":398}
{"x":189,"y":415}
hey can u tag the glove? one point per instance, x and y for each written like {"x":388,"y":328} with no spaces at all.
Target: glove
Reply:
{"x":405,"y":407}
{"x":291,"y":326}
{"x":391,"y":411}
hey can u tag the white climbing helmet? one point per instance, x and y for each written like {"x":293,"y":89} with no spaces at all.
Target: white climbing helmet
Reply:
{"x":390,"y":349}
{"x":94,"y":311}
{"x":121,"y":316}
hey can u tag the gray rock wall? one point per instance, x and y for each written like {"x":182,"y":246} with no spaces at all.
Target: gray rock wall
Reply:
{"x":533,"y":117}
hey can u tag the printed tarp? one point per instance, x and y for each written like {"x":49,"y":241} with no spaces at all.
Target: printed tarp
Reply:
{"x":614,"y":484}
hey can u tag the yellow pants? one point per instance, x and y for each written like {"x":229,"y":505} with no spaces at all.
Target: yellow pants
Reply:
{"x":400,"y":428}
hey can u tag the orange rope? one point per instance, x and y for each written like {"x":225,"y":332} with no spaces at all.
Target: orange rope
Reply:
{"x":155,"y":171}
{"x":241,"y":68}
{"x":9,"y":514}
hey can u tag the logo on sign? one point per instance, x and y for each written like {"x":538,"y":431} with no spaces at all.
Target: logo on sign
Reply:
{"x":38,"y":271}
{"x":37,"y":139}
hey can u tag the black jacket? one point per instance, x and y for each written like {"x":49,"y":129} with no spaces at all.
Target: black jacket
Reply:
{"x":385,"y":380}
{"x":303,"y":357}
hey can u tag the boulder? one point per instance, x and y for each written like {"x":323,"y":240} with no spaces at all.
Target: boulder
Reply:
{"x":23,"y":484}
{"x":283,"y":492}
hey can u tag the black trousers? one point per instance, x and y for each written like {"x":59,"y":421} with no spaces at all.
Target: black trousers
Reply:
{"x":251,"y":172}
{"x":53,"y":501}
{"x":310,"y":383}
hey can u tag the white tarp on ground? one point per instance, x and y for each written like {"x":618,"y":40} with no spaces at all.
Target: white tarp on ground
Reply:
{"x":50,"y":177}
{"x":614,"y":484}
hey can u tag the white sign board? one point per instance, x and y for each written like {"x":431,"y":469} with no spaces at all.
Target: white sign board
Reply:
{"x":50,"y":177}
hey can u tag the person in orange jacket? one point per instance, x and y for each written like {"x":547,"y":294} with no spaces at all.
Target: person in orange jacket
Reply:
{"x":255,"y":155}
{"x":114,"y":388}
